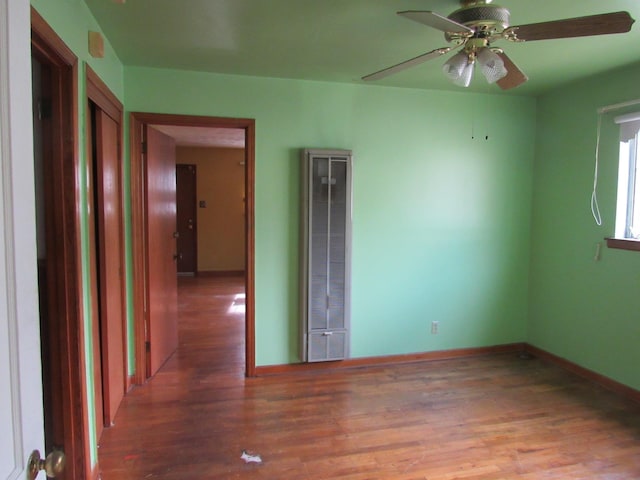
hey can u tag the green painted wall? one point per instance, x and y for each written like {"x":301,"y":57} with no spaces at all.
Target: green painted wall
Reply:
{"x":580,"y":309}
{"x":441,"y":220}
{"x":72,"y":21}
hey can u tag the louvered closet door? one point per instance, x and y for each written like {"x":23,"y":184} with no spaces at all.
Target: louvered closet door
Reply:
{"x":328,"y":224}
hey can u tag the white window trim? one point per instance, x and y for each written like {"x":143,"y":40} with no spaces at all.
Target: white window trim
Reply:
{"x":627,"y":224}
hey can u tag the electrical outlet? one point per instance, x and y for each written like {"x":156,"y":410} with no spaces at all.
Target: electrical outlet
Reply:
{"x":434,"y":327}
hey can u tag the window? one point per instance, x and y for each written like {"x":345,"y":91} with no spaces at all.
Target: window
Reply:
{"x":628,"y":205}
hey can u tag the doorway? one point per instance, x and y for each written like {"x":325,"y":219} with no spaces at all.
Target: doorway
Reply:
{"x":139,"y":123}
{"x":59,"y":267}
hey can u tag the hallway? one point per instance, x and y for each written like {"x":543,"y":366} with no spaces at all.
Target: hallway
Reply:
{"x":159,"y":424}
{"x":490,"y":417}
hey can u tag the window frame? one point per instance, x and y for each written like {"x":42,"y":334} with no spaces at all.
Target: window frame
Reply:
{"x":627,"y":231}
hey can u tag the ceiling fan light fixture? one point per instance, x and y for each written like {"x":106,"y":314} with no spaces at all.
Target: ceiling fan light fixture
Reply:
{"x":456,"y":65}
{"x":491,"y":65}
{"x":464,"y":80}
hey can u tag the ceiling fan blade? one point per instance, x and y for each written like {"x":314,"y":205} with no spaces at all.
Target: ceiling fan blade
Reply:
{"x":406,"y":64}
{"x":514,"y":78}
{"x":606,"y":23}
{"x":436,"y":21}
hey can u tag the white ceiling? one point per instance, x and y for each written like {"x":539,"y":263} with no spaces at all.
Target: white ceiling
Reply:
{"x":204,"y":136}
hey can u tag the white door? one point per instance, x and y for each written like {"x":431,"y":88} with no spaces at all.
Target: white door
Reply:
{"x":21,"y":414}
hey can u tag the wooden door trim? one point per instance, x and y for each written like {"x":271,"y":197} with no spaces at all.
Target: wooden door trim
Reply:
{"x":250,"y":308}
{"x":93,"y":281}
{"x":69,"y":369}
{"x":100,"y":94}
{"x":49,"y":43}
{"x":137,"y":122}
{"x":137,"y":169}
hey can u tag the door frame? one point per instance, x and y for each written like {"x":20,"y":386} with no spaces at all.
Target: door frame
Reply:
{"x":98,"y":93}
{"x":68,"y":371}
{"x":137,"y":122}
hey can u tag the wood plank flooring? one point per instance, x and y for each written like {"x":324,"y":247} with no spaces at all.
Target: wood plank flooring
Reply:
{"x":493,"y":417}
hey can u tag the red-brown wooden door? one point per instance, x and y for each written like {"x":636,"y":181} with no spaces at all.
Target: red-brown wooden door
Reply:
{"x":162,"y":285}
{"x":186,"y":219}
{"x":107,"y":177}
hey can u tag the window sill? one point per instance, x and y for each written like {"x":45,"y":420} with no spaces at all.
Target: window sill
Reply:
{"x":623,"y":244}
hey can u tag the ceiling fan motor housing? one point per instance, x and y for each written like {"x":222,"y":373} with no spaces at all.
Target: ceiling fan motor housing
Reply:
{"x":482,"y":17}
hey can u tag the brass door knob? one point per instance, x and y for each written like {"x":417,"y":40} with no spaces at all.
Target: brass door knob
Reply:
{"x":52,"y":465}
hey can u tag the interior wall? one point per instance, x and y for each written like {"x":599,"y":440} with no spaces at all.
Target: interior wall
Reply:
{"x":582,"y":309}
{"x":220,"y":223}
{"x":441,"y":219}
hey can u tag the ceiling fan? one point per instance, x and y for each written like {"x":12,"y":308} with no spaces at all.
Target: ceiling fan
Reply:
{"x":474,"y":28}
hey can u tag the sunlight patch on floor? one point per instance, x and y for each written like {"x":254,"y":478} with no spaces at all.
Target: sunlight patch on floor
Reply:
{"x":238,"y":305}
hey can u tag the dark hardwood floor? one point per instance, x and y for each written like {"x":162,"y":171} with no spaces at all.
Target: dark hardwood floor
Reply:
{"x":493,"y":417}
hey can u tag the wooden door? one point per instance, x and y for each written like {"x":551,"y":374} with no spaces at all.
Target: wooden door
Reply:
{"x":162,"y":286}
{"x":186,"y":219}
{"x":109,"y":251}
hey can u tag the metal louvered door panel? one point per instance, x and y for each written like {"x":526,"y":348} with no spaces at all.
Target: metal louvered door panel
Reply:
{"x":337,"y":246}
{"x":326,"y":273}
{"x":327,"y":346}
{"x":318,"y":236}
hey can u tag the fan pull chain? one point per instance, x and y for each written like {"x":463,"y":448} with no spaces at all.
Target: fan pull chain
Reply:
{"x":487,"y":109}
{"x":473,"y":121}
